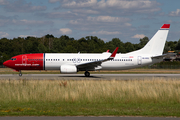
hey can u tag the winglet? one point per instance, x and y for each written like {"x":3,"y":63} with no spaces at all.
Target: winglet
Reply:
{"x":114,"y":53}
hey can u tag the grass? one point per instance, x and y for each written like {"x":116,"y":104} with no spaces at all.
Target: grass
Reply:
{"x":155,"y":97}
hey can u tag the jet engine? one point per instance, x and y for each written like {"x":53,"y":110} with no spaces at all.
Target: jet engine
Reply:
{"x":68,"y":69}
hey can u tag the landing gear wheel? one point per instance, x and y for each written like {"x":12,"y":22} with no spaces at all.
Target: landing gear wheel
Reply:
{"x":20,"y":74}
{"x":87,"y":74}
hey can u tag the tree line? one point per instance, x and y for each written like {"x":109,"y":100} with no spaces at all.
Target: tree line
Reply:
{"x":65,"y":44}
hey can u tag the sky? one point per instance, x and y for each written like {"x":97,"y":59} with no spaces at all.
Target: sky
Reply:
{"x":128,"y":20}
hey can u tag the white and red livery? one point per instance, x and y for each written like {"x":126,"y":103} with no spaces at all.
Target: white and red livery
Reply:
{"x":73,"y":62}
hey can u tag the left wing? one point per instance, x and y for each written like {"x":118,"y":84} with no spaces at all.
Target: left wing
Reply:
{"x":92,"y":65}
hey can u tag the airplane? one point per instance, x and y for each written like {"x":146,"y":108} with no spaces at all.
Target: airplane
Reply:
{"x":73,"y":62}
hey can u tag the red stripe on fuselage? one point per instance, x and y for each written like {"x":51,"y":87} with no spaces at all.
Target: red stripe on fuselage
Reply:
{"x":26,"y":62}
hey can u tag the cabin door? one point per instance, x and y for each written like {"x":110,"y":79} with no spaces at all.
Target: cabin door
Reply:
{"x":139,"y":60}
{"x":24,"y":59}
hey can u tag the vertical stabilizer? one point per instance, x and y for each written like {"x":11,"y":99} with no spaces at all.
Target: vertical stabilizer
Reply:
{"x":156,"y":45}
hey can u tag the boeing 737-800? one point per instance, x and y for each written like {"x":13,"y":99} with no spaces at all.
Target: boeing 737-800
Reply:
{"x":72,"y":63}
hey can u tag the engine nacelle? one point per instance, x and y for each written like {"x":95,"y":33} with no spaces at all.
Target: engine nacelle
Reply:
{"x":68,"y":69}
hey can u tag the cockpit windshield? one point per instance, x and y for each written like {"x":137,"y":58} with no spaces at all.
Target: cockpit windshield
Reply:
{"x":13,"y":59}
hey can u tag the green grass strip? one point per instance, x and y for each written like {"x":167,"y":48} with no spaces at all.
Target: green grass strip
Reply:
{"x":156,"y":97}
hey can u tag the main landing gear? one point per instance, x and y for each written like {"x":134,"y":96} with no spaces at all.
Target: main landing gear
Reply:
{"x":20,"y":74}
{"x":87,"y":74}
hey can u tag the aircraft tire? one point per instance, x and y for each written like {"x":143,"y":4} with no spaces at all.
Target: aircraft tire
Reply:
{"x":87,"y":74}
{"x":20,"y":74}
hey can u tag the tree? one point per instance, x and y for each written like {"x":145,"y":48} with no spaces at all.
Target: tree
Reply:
{"x":172,"y":45}
{"x":6,"y":46}
{"x":31,"y":44}
{"x":49,"y":36}
{"x":178,"y":45}
{"x":143,"y":42}
{"x":129,"y":47}
{"x":42,"y":48}
{"x":118,"y":43}
{"x":166,"y":48}
{"x":69,"y":49}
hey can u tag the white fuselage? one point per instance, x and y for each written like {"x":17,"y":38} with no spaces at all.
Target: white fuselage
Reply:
{"x":53,"y":61}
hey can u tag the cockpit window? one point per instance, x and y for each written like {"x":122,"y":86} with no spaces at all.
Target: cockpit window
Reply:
{"x":13,"y":59}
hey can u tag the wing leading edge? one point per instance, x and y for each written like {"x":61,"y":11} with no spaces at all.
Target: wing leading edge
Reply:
{"x":92,"y":65}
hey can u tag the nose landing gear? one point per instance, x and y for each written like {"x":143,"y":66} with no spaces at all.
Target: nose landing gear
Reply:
{"x":87,"y":74}
{"x":20,"y":74}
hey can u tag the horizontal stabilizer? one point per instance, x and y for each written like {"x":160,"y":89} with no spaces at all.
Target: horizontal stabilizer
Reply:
{"x":159,"y":56}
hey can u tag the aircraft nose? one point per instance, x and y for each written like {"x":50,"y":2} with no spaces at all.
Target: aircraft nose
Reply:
{"x":6,"y":63}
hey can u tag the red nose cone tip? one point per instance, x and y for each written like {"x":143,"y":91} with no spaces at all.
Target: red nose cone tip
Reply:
{"x":5,"y":63}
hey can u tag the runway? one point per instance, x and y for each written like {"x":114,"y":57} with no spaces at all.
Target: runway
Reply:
{"x":92,"y":77}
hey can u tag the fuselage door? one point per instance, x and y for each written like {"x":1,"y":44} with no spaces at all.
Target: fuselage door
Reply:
{"x":78,"y":60}
{"x":139,"y":60}
{"x":24,"y":59}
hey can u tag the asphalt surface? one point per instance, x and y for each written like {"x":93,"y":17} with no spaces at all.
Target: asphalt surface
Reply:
{"x":92,"y":77}
{"x":88,"y":118}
